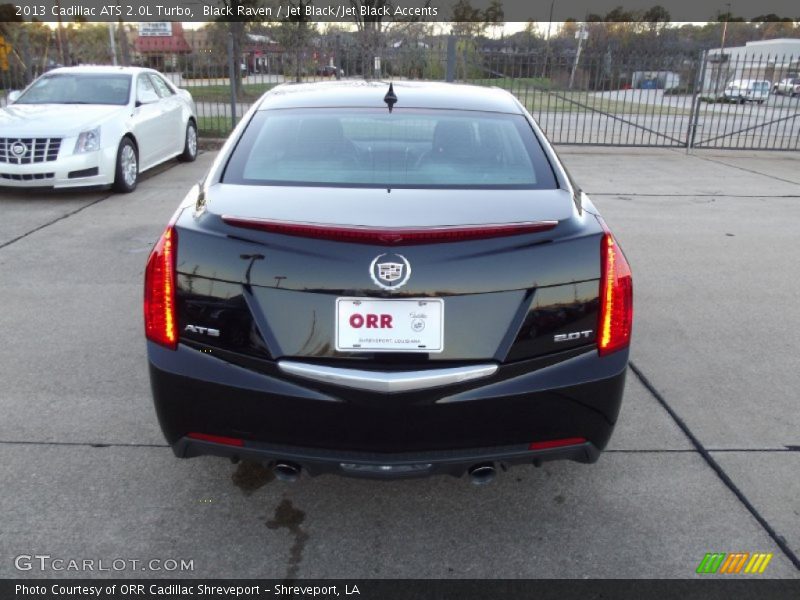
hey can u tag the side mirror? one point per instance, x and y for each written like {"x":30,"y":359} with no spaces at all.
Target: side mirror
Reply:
{"x":146,"y":97}
{"x":13,"y":96}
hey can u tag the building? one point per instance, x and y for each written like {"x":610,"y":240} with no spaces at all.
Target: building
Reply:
{"x":159,"y":44}
{"x":772,"y":60}
{"x":262,"y":54}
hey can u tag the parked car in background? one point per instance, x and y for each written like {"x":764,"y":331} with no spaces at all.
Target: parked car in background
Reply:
{"x":328,"y":71}
{"x":747,"y":90}
{"x":789,"y":86}
{"x":388,"y":281}
{"x":88,"y":126}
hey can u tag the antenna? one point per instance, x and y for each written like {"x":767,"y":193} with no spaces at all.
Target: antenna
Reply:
{"x":390,"y":98}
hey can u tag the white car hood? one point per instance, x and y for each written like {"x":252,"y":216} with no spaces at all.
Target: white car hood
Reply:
{"x":53,"y":120}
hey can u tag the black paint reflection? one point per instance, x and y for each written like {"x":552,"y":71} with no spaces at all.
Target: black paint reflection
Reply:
{"x":563,"y":309}
{"x":207,"y":303}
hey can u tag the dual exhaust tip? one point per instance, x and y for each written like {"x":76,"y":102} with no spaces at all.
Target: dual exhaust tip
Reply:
{"x":286,"y":471}
{"x":480,"y":474}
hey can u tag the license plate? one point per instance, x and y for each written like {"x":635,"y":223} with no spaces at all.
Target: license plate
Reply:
{"x":408,"y":325}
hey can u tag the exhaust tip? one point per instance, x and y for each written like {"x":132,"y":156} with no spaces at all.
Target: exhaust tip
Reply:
{"x":286,"y":471}
{"x":482,"y":474}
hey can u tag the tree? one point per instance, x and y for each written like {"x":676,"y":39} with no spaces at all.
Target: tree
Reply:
{"x":657,"y":18}
{"x":467,"y":21}
{"x":494,"y":15}
{"x":8,"y":15}
{"x":237,"y":30}
{"x":88,"y":42}
{"x":294,"y":33}
{"x":371,"y":28}
{"x":782,"y":28}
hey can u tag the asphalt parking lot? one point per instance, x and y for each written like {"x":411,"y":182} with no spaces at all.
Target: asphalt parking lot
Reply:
{"x":713,"y":241}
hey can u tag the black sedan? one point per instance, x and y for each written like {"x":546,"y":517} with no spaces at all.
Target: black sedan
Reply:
{"x":388,"y":281}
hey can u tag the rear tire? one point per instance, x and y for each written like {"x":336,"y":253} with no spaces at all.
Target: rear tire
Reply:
{"x":126,"y":175}
{"x":190,"y":145}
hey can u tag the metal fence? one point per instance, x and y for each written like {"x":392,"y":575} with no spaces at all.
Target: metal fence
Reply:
{"x":706,"y":101}
{"x":709,"y":100}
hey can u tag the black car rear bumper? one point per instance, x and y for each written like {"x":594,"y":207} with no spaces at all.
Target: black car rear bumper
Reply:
{"x":392,"y":466}
{"x":575,"y":395}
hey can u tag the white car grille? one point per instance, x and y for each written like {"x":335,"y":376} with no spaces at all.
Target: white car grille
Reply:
{"x":23,"y":151}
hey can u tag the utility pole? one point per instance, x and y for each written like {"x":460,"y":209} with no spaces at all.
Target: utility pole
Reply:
{"x":232,"y":66}
{"x":113,"y":43}
{"x":125,"y":52}
{"x":582,"y":34}
{"x":338,"y":56}
{"x":547,"y":43}
{"x":725,"y":27}
{"x":63,"y":44}
{"x":722,"y":49}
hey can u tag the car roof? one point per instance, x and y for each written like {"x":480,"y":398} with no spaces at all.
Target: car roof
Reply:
{"x":101,"y":69}
{"x":410,"y":94}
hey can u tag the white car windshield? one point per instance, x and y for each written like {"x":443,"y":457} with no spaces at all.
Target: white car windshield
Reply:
{"x":74,"y":88}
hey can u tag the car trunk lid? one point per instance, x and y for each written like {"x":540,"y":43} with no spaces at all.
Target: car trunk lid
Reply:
{"x":482,"y":291}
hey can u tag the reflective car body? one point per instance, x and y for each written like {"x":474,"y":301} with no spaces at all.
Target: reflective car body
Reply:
{"x":67,"y":128}
{"x":789,"y":86}
{"x":747,"y":90}
{"x":472,"y":312}
{"x":328,"y":71}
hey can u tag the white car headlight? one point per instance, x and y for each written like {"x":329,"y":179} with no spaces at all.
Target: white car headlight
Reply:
{"x":88,"y":141}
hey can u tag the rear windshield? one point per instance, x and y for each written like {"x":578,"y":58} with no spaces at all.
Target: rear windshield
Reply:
{"x":78,"y":88}
{"x":373,"y":148}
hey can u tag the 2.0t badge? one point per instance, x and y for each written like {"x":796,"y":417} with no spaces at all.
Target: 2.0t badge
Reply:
{"x":390,"y":271}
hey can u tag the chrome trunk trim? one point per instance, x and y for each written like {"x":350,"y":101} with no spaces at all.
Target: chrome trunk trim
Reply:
{"x":387,"y":381}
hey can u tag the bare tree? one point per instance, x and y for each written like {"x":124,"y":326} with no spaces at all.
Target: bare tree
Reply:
{"x":494,"y":15}
{"x":369,"y":19}
{"x":294,"y":33}
{"x":467,"y":21}
{"x":237,"y":30}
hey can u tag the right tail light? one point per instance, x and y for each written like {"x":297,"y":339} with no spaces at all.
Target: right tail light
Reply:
{"x":616,"y":298}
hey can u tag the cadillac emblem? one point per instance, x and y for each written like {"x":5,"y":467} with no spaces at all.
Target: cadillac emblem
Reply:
{"x":18,"y":149}
{"x":390,"y":271}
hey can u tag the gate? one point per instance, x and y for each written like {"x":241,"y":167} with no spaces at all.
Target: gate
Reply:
{"x":715,"y":100}
{"x":607,"y":100}
{"x":749,"y":101}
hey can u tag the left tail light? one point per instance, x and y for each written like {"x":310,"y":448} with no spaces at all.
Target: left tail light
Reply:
{"x":616,"y":298}
{"x":160,"y":314}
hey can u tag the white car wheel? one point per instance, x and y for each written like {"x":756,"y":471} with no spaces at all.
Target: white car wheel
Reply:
{"x":190,"y":145}
{"x":127,"y":170}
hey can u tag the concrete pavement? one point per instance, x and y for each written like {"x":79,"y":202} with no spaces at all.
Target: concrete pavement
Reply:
{"x":711,"y":239}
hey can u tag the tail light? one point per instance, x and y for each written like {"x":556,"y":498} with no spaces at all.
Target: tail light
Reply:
{"x":160,"y":315}
{"x":616,"y":298}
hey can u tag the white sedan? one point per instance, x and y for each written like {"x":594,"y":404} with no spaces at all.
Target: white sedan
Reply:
{"x":88,"y":126}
